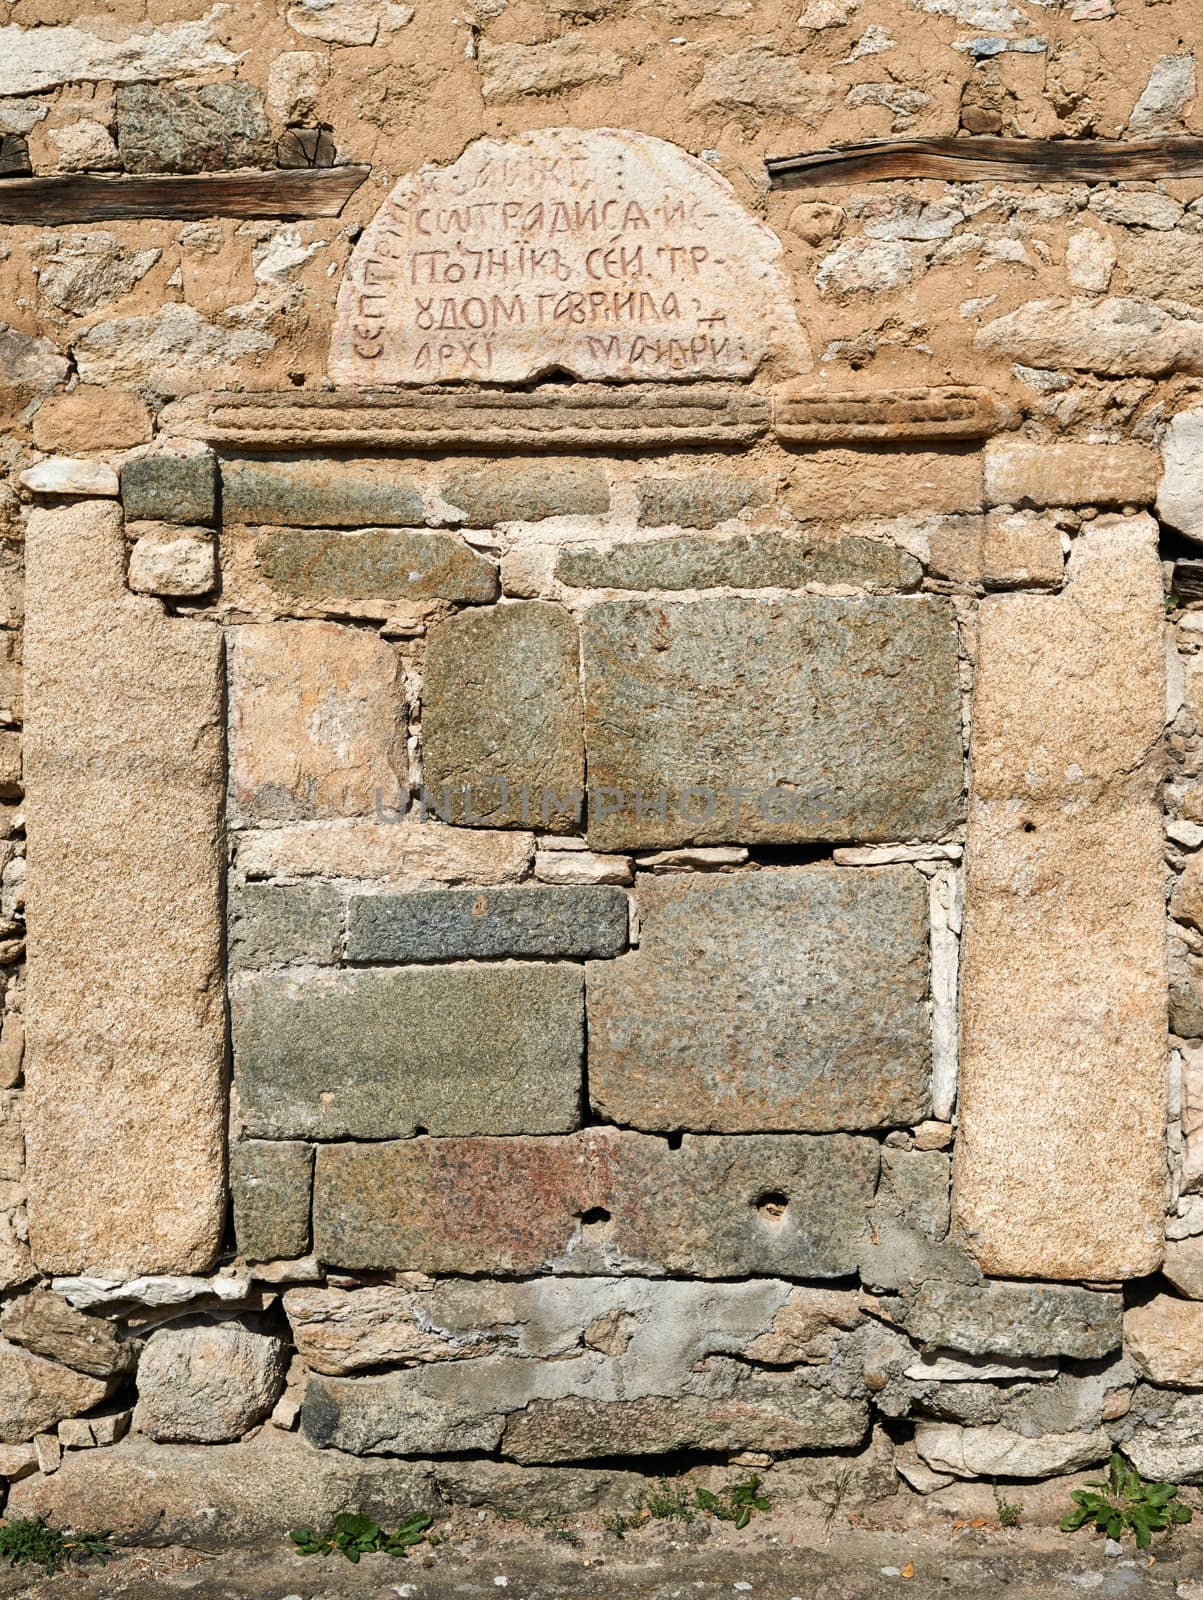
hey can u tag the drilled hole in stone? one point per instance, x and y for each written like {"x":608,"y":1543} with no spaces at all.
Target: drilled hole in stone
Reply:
{"x":594,"y":1221}
{"x":1029,"y":827}
{"x":772,"y":1205}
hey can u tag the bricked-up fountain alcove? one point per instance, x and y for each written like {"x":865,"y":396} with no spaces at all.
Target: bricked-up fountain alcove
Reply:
{"x":679,"y":866}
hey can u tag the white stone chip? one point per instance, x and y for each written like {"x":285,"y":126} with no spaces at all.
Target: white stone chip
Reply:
{"x":68,"y":475}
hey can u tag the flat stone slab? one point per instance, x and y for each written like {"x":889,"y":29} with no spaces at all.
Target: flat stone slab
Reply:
{"x":602,"y":253}
{"x":739,"y":561}
{"x":377,"y":564}
{"x":317,"y":722}
{"x":271,"y":924}
{"x":600,"y":1201}
{"x":125,"y":1107}
{"x":320,"y":494}
{"x":472,"y":924}
{"x":270,"y":1183}
{"x":1017,"y":1319}
{"x":740,"y":720}
{"x":1060,"y":1159}
{"x":770,"y":1000}
{"x":370,"y":1054}
{"x":502,"y":741}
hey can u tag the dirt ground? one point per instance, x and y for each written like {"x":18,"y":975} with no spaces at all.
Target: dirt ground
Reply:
{"x":780,"y":1557}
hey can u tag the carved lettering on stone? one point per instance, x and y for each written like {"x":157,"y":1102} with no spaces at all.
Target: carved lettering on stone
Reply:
{"x":606,"y":254}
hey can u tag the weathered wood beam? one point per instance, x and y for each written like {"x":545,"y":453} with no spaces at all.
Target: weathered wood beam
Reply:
{"x":973,"y":159}
{"x":87,"y":197}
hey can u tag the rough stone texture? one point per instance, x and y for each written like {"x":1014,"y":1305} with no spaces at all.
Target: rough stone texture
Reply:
{"x":171,"y":485}
{"x":777,"y":1000}
{"x":1016,"y":1319}
{"x":488,"y":496}
{"x":806,"y":414}
{"x":320,"y":494}
{"x":125,"y":1033}
{"x":171,"y":561}
{"x":1166,"y":1442}
{"x":1163,"y":1338}
{"x":1115,"y":337}
{"x":666,"y":297}
{"x":502,"y":705}
{"x":270,"y":1183}
{"x":341,"y":1331}
{"x":214,"y":1496}
{"x":742,"y":561}
{"x":1183,"y":1266}
{"x":357,"y":574}
{"x":562,"y":1370}
{"x":1060,"y":1156}
{"x":473,"y":924}
{"x":39,"y":58}
{"x":999,"y":1452}
{"x":868,"y":482}
{"x":36,"y":1394}
{"x":376,"y":1053}
{"x":270,"y":925}
{"x":66,"y":475}
{"x":167,"y":350}
{"x":1070,"y":475}
{"x":46,"y":1325}
{"x":207,"y":1385}
{"x":1167,"y":94}
{"x":1180,"y":493}
{"x":907,"y":1242}
{"x":601,"y":1201}
{"x":91,"y":419}
{"x":162,"y":128}
{"x":1020,"y":550}
{"x":698,"y":500}
{"x":317,"y":721}
{"x":409,"y":851}
{"x":835,"y":718}
{"x":510,"y":71}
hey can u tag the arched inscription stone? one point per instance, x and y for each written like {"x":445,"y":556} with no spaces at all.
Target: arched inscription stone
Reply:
{"x":606,"y":254}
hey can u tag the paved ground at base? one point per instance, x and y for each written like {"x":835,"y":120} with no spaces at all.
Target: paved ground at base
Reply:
{"x":703,"y":1562}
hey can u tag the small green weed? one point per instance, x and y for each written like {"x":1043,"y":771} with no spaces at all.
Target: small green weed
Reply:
{"x":1010,"y":1512}
{"x":356,"y":1536}
{"x":30,"y":1540}
{"x":742,"y":1502}
{"x":670,"y":1502}
{"x":1123,"y":1502}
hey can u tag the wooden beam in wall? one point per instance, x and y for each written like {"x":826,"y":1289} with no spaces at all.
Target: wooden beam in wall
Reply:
{"x":971,"y":160}
{"x":284,"y":193}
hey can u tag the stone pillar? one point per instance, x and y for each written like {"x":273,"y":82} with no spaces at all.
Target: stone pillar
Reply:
{"x":125,"y":1061}
{"x":1061,"y":1157}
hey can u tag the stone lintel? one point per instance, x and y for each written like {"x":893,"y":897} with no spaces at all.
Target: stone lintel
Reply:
{"x":551,"y":416}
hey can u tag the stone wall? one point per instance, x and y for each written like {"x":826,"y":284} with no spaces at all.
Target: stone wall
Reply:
{"x":604,"y":760}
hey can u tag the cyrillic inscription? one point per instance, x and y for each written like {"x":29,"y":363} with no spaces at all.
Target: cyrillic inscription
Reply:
{"x":605,"y":254}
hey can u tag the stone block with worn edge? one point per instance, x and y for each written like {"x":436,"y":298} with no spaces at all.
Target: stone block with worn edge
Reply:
{"x":47,"y":1325}
{"x":601,"y":1201}
{"x":317,"y":721}
{"x":37,"y":1393}
{"x":211,"y":1496}
{"x":360,"y":568}
{"x":759,"y":560}
{"x":473,"y":924}
{"x":210,"y":128}
{"x":1017,"y":1319}
{"x":793,"y":999}
{"x":125,"y":1055}
{"x":486,"y":496}
{"x":698,"y":499}
{"x":1060,"y":1159}
{"x":1019,"y":474}
{"x":270,"y":1183}
{"x":405,"y":851}
{"x":170,"y":560}
{"x":310,"y":493}
{"x":207,"y":1385}
{"x":502,"y":742}
{"x":274,"y":924}
{"x":380,"y":1052}
{"x":177,"y":485}
{"x":771,"y":721}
